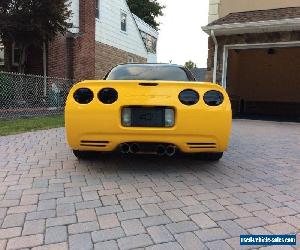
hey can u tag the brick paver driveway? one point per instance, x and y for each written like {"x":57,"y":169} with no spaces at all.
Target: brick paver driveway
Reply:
{"x":49,"y":200}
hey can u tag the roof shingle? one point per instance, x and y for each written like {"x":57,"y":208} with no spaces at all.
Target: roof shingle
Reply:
{"x":259,"y":15}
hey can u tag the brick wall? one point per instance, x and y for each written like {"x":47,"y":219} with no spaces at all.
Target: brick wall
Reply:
{"x":106,"y":57}
{"x":84,"y":45}
{"x":79,"y":56}
{"x":57,"y":57}
{"x":72,"y":55}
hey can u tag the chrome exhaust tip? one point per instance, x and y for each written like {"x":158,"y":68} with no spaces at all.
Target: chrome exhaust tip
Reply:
{"x":134,"y":148}
{"x":161,"y":150}
{"x":171,"y":150}
{"x":124,"y":148}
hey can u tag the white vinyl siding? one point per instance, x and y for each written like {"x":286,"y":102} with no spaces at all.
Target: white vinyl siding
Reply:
{"x":108,"y":28}
{"x":123,"y":21}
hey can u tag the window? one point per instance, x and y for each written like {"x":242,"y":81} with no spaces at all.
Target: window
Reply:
{"x":151,"y":72}
{"x":123,"y":21}
{"x":97,"y":9}
{"x":130,"y":59}
{"x":1,"y":54}
{"x":150,"y":42}
{"x":16,"y":54}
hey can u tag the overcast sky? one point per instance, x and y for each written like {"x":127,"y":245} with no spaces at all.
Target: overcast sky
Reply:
{"x":180,"y":36}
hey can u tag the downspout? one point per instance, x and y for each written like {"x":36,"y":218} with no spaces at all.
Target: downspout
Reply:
{"x":212,"y":33}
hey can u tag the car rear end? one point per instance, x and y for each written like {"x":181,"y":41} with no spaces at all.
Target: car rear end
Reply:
{"x":142,"y":116}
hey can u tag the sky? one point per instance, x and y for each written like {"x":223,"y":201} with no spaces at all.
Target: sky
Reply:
{"x":180,"y":36}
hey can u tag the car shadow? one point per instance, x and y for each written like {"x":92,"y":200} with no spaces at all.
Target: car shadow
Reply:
{"x":150,"y":164}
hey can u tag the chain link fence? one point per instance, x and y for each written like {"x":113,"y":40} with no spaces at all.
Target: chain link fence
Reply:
{"x":30,"y":95}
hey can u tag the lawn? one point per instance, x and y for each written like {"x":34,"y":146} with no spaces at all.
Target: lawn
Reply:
{"x":9,"y":127}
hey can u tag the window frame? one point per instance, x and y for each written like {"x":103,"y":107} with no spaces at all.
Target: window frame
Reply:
{"x":130,"y":59}
{"x":97,"y":11}
{"x":150,"y":42}
{"x":123,"y":14}
{"x":14,"y":63}
{"x":2,"y":48}
{"x":190,"y":77}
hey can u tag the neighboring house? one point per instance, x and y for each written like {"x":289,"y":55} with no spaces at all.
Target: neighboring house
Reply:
{"x":104,"y":33}
{"x":254,"y":52}
{"x":199,"y":73}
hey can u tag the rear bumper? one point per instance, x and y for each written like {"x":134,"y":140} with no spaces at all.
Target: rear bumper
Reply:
{"x":187,"y":144}
{"x":204,"y":133}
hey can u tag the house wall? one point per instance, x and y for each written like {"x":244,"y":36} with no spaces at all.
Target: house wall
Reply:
{"x":60,"y":49}
{"x":152,"y":58}
{"x":74,"y":5}
{"x":213,"y":10}
{"x":57,"y":57}
{"x":84,"y":44}
{"x":145,"y":27}
{"x":108,"y":56}
{"x":72,"y":55}
{"x":98,"y":44}
{"x":221,"y":8}
{"x":114,"y":46}
{"x":142,"y":26}
{"x":108,"y":28}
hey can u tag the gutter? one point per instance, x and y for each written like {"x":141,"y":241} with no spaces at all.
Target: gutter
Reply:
{"x":212,"y":33}
{"x":259,"y":27}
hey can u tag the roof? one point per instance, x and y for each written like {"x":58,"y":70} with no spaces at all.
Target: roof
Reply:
{"x":259,"y":15}
{"x":145,"y":27}
{"x":154,"y":64}
{"x":258,"y":21}
{"x":199,"y":73}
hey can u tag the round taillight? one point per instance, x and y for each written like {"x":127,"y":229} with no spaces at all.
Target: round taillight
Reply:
{"x":108,"y":95}
{"x":83,"y":95}
{"x":213,"y":98}
{"x":188,"y":97}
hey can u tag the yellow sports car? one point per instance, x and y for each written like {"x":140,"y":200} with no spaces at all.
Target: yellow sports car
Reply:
{"x":148,"y":108}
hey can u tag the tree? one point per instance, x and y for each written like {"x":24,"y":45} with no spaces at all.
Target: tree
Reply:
{"x":147,"y":10}
{"x":190,"y":65}
{"x":32,"y":22}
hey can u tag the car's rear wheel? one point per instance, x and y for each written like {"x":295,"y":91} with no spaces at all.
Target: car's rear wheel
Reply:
{"x":210,"y":156}
{"x":83,"y":154}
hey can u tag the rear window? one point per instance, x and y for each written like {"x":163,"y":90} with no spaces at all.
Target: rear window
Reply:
{"x":150,"y":72}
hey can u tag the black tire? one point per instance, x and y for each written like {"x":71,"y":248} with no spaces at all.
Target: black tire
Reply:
{"x":210,"y":156}
{"x":84,"y":155}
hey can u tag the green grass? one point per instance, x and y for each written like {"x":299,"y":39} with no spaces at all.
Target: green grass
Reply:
{"x":10,"y":127}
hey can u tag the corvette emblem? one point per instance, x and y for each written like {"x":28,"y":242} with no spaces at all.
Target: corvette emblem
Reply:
{"x":146,"y":117}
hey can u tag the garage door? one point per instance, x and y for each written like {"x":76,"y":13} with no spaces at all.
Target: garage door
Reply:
{"x":265,"y":81}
